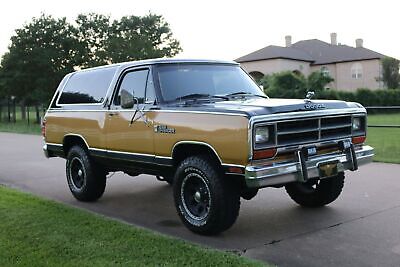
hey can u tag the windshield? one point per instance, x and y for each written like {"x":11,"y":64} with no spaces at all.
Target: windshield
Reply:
{"x":180,"y":80}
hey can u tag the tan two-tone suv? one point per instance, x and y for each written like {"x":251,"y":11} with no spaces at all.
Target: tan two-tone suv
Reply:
{"x":206,"y":128}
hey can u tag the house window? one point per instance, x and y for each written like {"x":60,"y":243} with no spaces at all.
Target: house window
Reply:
{"x":356,"y":71}
{"x":325,"y":71}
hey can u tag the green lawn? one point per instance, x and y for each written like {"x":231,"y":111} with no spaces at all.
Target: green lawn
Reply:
{"x":20,"y":127}
{"x":32,"y":112}
{"x":386,"y":141}
{"x":38,"y":232}
{"x":384,"y":119}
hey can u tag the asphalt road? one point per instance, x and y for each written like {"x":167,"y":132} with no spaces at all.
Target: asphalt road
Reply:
{"x":361,"y":228}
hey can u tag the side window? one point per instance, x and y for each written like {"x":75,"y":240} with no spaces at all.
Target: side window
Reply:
{"x":134,"y":84}
{"x":87,"y":87}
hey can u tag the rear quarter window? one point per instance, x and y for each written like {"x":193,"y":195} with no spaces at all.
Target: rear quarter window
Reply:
{"x":87,"y":87}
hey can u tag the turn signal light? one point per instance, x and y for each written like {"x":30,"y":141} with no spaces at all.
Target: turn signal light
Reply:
{"x":44,"y":128}
{"x":264,"y":154}
{"x":358,"y":139}
{"x":235,"y":170}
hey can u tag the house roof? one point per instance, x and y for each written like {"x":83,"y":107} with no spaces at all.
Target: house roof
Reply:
{"x":273,"y":51}
{"x":315,"y":51}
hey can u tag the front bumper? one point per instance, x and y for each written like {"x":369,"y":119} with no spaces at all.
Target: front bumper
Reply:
{"x":301,"y":170}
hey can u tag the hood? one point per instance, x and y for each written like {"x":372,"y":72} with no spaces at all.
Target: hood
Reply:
{"x":261,"y":106}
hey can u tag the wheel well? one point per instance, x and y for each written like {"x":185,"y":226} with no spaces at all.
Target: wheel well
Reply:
{"x":183,"y":151}
{"x":71,"y":140}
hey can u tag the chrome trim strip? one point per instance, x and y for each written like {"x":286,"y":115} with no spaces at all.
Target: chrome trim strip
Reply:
{"x":123,"y":152}
{"x":192,"y":111}
{"x":53,"y":144}
{"x":76,"y":110}
{"x":145,"y":158}
{"x":163,"y":157}
{"x":303,"y":114}
{"x":286,"y":172}
{"x":148,"y":155}
{"x":232,"y":165}
{"x":149,"y":110}
{"x":60,"y":90}
{"x":144,"y":154}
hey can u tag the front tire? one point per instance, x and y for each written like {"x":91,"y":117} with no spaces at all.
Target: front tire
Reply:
{"x":207,"y":202}
{"x":85,"y":179}
{"x":316,"y":193}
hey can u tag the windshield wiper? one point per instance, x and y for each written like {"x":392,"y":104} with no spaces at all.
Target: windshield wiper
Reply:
{"x":197,"y":96}
{"x":245,"y":94}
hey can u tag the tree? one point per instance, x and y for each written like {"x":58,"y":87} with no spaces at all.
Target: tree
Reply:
{"x":130,"y":38}
{"x":46,"y":49}
{"x":135,"y":38}
{"x":93,"y":34}
{"x":39,"y":56}
{"x":390,"y":72}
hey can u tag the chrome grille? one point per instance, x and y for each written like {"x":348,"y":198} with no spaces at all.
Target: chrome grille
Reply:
{"x":310,"y":130}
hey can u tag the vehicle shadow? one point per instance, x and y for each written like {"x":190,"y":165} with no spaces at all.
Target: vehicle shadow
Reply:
{"x":271,"y":216}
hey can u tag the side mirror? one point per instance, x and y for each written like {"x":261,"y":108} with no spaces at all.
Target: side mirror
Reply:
{"x":127,"y":100}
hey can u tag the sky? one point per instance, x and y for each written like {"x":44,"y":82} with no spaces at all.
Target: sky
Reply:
{"x":230,"y":29}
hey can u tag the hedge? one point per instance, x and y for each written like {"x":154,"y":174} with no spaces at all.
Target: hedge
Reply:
{"x":366,"y":97}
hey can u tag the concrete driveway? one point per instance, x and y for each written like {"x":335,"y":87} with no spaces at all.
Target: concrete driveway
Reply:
{"x":362,"y":228}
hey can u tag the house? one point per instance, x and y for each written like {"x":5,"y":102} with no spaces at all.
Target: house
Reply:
{"x":350,"y":67}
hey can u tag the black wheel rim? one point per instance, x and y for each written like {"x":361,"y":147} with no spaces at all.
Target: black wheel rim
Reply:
{"x":195,"y":196}
{"x":77,"y":173}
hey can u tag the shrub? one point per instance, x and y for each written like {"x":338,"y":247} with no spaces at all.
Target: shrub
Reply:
{"x":287,"y":84}
{"x":290,"y":85}
{"x":366,"y":97}
{"x":317,"y":81}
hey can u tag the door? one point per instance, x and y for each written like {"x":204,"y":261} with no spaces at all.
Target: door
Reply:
{"x":129,"y":130}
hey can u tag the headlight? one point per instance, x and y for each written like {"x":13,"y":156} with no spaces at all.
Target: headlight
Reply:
{"x":356,"y":124}
{"x":262,"y":134}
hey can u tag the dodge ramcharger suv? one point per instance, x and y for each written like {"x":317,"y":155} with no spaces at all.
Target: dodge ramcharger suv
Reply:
{"x":206,"y":128}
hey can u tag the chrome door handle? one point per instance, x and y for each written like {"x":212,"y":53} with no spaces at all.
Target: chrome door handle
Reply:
{"x":112,"y":114}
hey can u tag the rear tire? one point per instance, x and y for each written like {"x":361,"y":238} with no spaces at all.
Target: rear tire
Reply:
{"x":207,"y":202}
{"x":316,"y":193}
{"x":86,"y":180}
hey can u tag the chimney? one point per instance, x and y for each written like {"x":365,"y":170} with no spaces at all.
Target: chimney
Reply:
{"x":288,"y":40}
{"x":333,"y":38}
{"x":359,"y":43}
